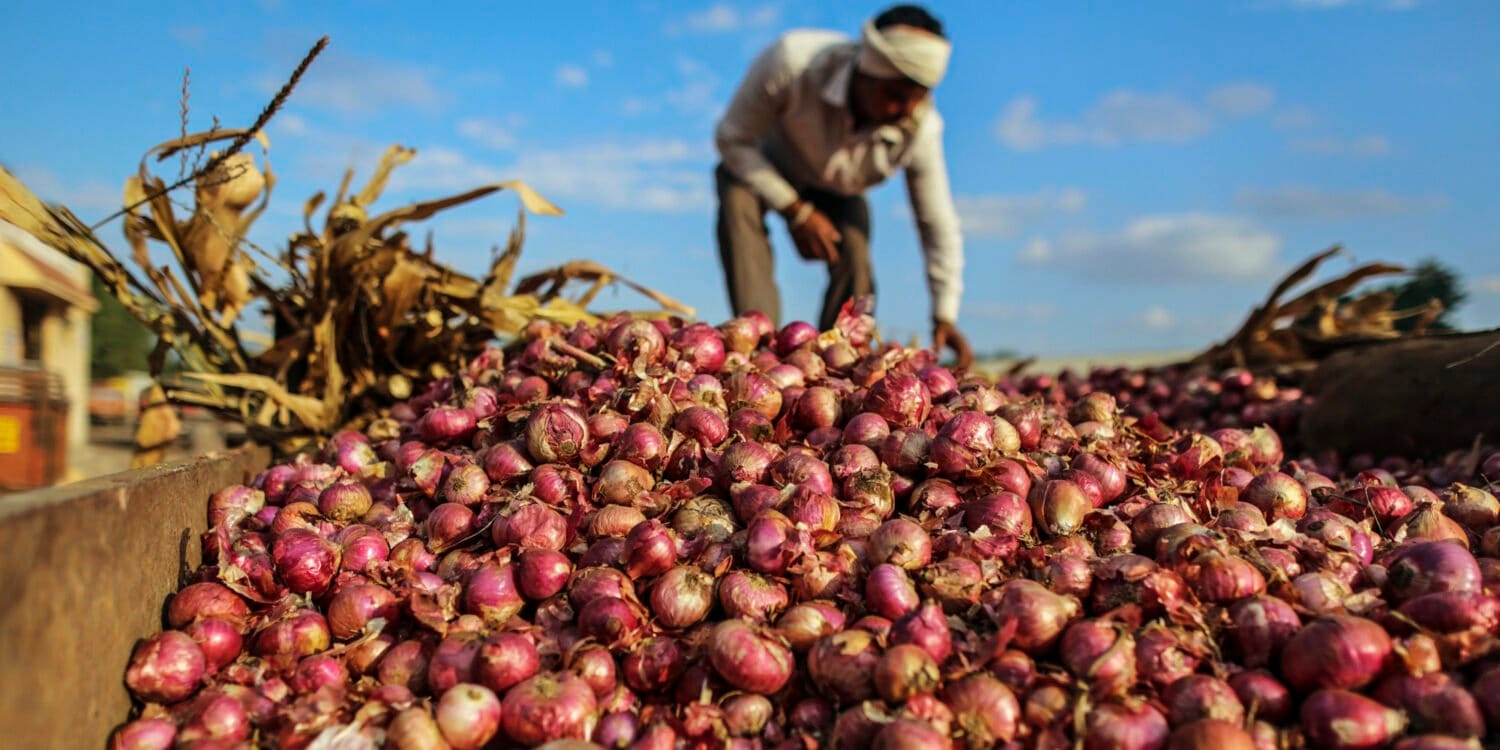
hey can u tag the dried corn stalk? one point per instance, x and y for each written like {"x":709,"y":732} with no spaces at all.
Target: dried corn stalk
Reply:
{"x":1319,"y":321}
{"x":357,"y":314}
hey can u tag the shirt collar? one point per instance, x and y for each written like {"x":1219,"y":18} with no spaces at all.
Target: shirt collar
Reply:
{"x":836,"y":90}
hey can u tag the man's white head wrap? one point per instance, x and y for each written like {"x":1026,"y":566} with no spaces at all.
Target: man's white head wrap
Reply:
{"x":904,"y":52}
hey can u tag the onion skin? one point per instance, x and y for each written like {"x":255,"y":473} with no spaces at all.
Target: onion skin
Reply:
{"x":1341,"y":720}
{"x":905,"y":670}
{"x":1336,"y":652}
{"x":984,"y":708}
{"x":415,"y":729}
{"x":505,"y":660}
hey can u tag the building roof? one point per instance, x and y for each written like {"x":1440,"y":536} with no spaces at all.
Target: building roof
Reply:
{"x":26,"y":263}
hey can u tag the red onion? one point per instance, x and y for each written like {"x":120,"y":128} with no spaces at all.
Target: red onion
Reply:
{"x":206,"y":600}
{"x":750,"y":596}
{"x":905,"y":670}
{"x":889,"y":592}
{"x":613,"y":520}
{"x":594,"y":665}
{"x":1262,"y":694}
{"x":555,"y":433}
{"x":1449,"y":612}
{"x":984,"y":708}
{"x":452,"y":662}
{"x":1433,"y":703}
{"x":744,"y":462}
{"x":468,"y":716}
{"x":1100,"y":653}
{"x":214,"y":718}
{"x":843,"y":665}
{"x":818,"y":406}
{"x":1001,"y":512}
{"x":767,"y":547}
{"x":165,"y":668}
{"x":748,"y":658}
{"x":650,"y":549}
{"x":654,"y":665}
{"x":405,"y":664}
{"x":804,"y":624}
{"x":491,"y":593}
{"x":1126,"y":727}
{"x":1335,"y":652}
{"x":504,"y":660}
{"x":912,"y":734}
{"x":700,"y":345}
{"x":682,"y":597}
{"x":1473,"y":507}
{"x":867,"y":429}
{"x":927,"y":628}
{"x":318,"y":671}
{"x":1164,"y":655}
{"x":1039,"y":615}
{"x":443,"y":425}
{"x":144,"y":734}
{"x":905,"y":450}
{"x":752,"y":390}
{"x":1210,"y":734}
{"x":415,"y":729}
{"x":219,"y":640}
{"x":900,"y":398}
{"x":1259,"y":626}
{"x":1341,"y":720}
{"x":610,"y":621}
{"x":353,"y":607}
{"x":466,"y":483}
{"x":305,"y":562}
{"x":1222,"y":579}
{"x":448,"y":524}
{"x":542,"y":573}
{"x":1277,"y":496}
{"x":1200,"y":696}
{"x":1058,"y":506}
{"x":1431,"y":567}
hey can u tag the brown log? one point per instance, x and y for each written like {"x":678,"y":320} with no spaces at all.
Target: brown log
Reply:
{"x":1412,"y":397}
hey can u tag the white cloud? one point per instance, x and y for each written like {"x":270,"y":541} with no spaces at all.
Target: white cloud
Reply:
{"x":1157,"y":318}
{"x":355,"y":86}
{"x":1126,"y":116}
{"x":1294,"y":118}
{"x":1301,"y":202}
{"x":290,"y":123}
{"x":188,"y":36}
{"x":1164,"y":249}
{"x":1034,"y":312}
{"x":1363,"y":146}
{"x":604,"y":58}
{"x":572,"y":76}
{"x":723,"y":18}
{"x":1241,"y":99}
{"x":667,"y":176}
{"x":1007,"y":216}
{"x":1488,"y":284}
{"x":488,"y":132}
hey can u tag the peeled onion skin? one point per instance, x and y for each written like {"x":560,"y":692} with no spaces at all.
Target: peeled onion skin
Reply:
{"x":752,"y":537}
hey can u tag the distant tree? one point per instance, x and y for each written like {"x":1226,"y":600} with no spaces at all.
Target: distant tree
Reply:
{"x":1429,"y":279}
{"x":120,"y":343}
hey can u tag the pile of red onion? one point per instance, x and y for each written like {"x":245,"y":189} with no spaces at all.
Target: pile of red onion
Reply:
{"x":658,"y":535}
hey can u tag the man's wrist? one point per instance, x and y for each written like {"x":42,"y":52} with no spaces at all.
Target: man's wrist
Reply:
{"x":797,"y":214}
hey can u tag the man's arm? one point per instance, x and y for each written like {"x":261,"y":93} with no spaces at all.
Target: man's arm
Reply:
{"x":937,"y":221}
{"x":751,"y":113}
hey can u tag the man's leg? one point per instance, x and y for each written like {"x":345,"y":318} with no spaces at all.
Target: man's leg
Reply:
{"x":853,"y":275}
{"x":745,"y":248}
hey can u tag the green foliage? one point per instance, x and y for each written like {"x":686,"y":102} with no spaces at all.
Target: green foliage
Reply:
{"x":1430,"y":279}
{"x":120,"y":343}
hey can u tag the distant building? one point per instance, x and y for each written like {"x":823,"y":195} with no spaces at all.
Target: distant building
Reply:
{"x":45,"y":308}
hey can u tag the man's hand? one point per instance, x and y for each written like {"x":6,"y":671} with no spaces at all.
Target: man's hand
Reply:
{"x":946,"y":335}
{"x":816,"y":237}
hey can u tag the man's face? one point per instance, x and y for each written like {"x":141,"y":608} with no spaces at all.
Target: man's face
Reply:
{"x":884,"y":101}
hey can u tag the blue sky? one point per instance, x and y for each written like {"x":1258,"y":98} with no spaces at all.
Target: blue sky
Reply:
{"x":1131,"y":175}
